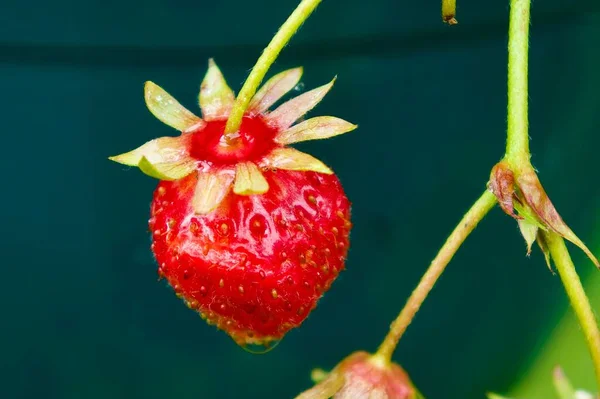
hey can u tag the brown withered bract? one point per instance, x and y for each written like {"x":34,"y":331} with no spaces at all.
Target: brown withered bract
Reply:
{"x":522,"y":191}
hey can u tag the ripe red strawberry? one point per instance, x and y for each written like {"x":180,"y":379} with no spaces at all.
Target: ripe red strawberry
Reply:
{"x":247,"y":231}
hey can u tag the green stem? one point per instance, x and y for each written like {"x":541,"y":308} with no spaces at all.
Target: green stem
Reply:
{"x":579,"y":300}
{"x":468,"y":223}
{"x":517,"y":144}
{"x":449,"y":12}
{"x":267,"y":58}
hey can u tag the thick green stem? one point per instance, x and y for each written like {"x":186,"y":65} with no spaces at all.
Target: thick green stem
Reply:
{"x":267,"y":58}
{"x":517,"y":144}
{"x":468,"y":223}
{"x":579,"y":300}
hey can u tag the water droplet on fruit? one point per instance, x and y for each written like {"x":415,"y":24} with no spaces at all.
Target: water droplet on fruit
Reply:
{"x":222,"y":307}
{"x":283,"y":255}
{"x":289,"y":280}
{"x":288,"y":306}
{"x":156,"y":232}
{"x":187,"y":274}
{"x":260,"y":348}
{"x":326,"y":252}
{"x":203,"y":291}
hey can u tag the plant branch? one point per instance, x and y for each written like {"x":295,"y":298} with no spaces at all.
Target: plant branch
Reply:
{"x":579,"y":300}
{"x":449,"y":12}
{"x":517,"y":143}
{"x":267,"y":58}
{"x":468,"y":223}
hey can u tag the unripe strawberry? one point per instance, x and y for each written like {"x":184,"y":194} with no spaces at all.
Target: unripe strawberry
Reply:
{"x":364,"y":376}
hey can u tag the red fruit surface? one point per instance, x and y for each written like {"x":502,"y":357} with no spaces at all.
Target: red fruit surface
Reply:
{"x":257,"y":265}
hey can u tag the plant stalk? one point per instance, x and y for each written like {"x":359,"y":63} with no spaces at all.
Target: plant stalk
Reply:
{"x":449,"y":12}
{"x":517,"y":143}
{"x":468,"y":223}
{"x":267,"y":58}
{"x":579,"y":300}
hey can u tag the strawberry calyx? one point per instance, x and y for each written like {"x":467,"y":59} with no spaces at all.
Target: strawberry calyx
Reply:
{"x":226,"y":161}
{"x":253,"y":141}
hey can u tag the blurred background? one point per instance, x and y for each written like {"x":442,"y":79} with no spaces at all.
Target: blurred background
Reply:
{"x":83,"y":313}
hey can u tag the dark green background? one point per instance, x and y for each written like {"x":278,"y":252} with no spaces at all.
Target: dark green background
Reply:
{"x":82,"y":313}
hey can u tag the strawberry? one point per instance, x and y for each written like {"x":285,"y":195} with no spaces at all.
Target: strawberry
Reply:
{"x":248,"y":231}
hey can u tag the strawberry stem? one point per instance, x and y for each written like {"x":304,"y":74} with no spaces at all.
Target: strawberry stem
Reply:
{"x":517,"y":143}
{"x":449,"y":12}
{"x":579,"y":300}
{"x":267,"y":58}
{"x":518,"y":157}
{"x":468,"y":223}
